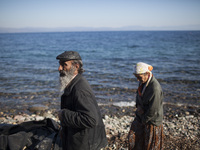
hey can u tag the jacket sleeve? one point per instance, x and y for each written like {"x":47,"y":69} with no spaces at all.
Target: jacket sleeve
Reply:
{"x":85,"y":114}
{"x":152,"y":104}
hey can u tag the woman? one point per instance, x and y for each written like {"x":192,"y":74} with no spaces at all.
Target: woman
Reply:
{"x":146,"y":131}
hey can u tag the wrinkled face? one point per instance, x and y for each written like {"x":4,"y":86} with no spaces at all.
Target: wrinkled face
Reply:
{"x":142,"y":77}
{"x":64,"y":66}
{"x":67,"y":72}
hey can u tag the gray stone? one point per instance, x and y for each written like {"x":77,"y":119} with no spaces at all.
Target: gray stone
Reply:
{"x":37,"y":107}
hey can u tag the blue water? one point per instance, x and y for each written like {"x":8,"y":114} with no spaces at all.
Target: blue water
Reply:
{"x":28,"y":65}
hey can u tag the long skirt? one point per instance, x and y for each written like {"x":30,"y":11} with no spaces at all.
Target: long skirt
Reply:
{"x":145,"y":137}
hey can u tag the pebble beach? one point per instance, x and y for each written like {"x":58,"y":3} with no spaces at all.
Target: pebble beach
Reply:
{"x":181,"y":123}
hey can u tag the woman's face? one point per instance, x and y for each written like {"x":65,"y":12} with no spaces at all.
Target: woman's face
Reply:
{"x":142,"y":77}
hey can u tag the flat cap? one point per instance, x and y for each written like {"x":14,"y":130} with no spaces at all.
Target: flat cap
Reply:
{"x":69,"y":55}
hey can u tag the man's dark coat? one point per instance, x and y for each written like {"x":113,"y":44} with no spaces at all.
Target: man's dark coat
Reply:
{"x":81,"y":122}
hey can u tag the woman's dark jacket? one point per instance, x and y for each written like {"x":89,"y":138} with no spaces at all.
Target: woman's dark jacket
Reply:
{"x":152,"y":103}
{"x":81,"y":122}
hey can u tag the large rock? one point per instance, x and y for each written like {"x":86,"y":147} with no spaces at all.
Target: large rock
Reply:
{"x":37,"y":108}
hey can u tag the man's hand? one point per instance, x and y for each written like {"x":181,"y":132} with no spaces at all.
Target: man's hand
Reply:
{"x":60,"y":115}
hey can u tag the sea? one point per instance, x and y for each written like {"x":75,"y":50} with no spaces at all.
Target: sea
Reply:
{"x":29,"y":69}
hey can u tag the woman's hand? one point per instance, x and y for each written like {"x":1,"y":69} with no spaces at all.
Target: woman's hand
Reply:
{"x":140,"y":110}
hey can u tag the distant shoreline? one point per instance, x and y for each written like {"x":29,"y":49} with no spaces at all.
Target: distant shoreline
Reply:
{"x":16,"y":31}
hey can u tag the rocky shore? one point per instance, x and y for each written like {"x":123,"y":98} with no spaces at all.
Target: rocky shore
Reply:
{"x":181,"y":123}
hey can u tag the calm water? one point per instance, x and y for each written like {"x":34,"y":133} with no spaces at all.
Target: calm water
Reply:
{"x":28,"y":67}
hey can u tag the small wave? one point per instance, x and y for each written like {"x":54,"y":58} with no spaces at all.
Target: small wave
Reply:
{"x":124,"y":104}
{"x":133,"y":46}
{"x":119,"y":104}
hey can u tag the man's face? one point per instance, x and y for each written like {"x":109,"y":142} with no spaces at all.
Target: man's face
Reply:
{"x":67,"y":72}
{"x":142,"y":77}
{"x":65,"y":65}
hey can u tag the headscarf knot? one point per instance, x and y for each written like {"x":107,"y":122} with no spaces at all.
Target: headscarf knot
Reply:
{"x":141,"y":68}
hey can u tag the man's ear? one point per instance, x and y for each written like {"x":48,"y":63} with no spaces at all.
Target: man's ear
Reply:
{"x":77,"y":66}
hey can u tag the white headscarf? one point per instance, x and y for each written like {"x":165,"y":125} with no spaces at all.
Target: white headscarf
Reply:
{"x":141,"y":68}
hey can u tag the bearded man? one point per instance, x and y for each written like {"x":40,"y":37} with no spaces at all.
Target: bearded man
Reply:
{"x":80,"y":117}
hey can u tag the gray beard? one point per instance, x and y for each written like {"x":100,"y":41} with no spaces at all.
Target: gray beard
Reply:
{"x":66,"y":77}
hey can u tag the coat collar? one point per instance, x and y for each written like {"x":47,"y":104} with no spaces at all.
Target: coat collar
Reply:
{"x":69,"y":88}
{"x":142,"y":87}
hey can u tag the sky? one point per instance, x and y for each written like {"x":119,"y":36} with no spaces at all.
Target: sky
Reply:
{"x":99,"y":13}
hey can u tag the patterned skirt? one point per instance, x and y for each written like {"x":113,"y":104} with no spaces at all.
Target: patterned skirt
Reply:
{"x":145,"y":137}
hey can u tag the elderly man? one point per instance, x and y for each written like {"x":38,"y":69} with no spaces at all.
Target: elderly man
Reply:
{"x":80,"y":117}
{"x":146,"y":131}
